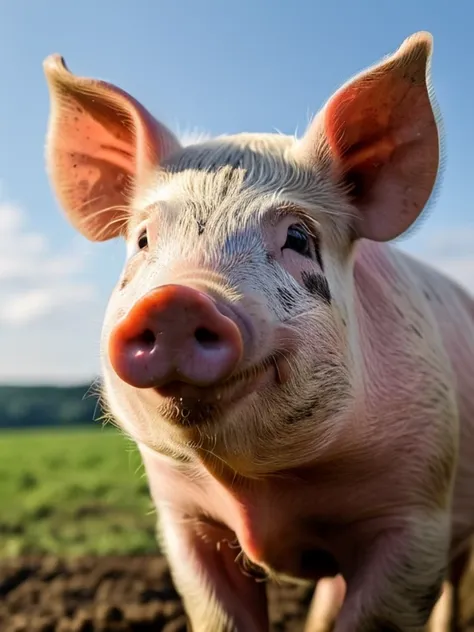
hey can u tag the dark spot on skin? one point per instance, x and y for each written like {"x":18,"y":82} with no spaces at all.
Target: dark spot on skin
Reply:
{"x":416,"y":331}
{"x":226,"y":184}
{"x":287,"y":299}
{"x":427,"y":295}
{"x":304,"y":412}
{"x":201,"y":226}
{"x":270,"y":257}
{"x":399,"y":311}
{"x":319,"y":563}
{"x":123,"y":283}
{"x":317,"y":285}
{"x":324,"y":402}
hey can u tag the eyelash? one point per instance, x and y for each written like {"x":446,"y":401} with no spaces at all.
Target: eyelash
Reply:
{"x":298,"y":232}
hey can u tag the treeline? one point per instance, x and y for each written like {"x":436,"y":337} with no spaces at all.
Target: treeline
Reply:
{"x":36,"y":406}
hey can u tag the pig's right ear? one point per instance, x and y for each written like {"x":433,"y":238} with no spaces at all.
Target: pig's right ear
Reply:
{"x":102,"y":145}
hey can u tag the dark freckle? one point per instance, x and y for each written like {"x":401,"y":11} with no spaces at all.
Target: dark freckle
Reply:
{"x":433,"y":295}
{"x":398,"y":310}
{"x":416,"y":331}
{"x":123,"y":283}
{"x":201,"y":226}
{"x":317,"y":285}
{"x":287,"y":299}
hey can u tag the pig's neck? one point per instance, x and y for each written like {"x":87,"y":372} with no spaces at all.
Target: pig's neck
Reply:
{"x":378,"y":319}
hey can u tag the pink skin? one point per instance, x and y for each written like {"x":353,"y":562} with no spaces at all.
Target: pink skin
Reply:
{"x":303,"y":406}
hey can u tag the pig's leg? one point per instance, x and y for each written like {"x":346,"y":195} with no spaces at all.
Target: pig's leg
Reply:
{"x":216,"y":594}
{"x":446,"y":617}
{"x":441,"y":619}
{"x":398,"y":579}
{"x":326,"y":604}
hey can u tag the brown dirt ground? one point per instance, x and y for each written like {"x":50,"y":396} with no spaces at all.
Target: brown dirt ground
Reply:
{"x":116,"y":594}
{"x":111,"y":594}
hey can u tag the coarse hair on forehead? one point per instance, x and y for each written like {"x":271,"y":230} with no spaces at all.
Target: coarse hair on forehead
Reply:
{"x":241,"y":176}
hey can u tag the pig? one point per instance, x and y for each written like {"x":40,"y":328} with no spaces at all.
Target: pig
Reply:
{"x":300,"y":390}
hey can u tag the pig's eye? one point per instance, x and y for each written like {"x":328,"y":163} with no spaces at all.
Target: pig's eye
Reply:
{"x":143,"y":240}
{"x":297,"y":239}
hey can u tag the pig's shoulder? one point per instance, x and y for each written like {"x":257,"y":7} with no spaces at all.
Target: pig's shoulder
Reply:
{"x":386,"y":268}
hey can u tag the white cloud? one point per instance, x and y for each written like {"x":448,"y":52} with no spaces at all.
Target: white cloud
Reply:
{"x":50,"y":309}
{"x":28,"y":305}
{"x":36,"y":281}
{"x":450,"y":250}
{"x":461,"y":269}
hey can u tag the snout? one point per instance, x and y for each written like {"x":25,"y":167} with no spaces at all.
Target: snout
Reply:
{"x":175,"y":334}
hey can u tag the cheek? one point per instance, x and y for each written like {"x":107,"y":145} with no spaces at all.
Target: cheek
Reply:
{"x":299,"y":267}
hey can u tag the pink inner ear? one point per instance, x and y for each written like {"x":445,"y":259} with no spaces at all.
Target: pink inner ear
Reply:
{"x":96,"y":150}
{"x":359,"y":136}
{"x":94,"y":166}
{"x":102,"y":148}
{"x":357,"y":130}
{"x":383,"y":137}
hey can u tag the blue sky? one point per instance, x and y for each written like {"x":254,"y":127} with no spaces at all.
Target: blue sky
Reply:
{"x":214,"y":66}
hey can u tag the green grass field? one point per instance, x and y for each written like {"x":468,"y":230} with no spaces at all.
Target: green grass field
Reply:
{"x":73,"y":492}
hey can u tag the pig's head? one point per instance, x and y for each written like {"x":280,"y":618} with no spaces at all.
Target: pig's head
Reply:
{"x":232,"y":330}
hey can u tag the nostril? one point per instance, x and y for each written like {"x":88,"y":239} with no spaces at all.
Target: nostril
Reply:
{"x":146,"y":339}
{"x":205,"y":337}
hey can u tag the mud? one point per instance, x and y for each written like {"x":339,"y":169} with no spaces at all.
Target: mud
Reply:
{"x":111,"y":594}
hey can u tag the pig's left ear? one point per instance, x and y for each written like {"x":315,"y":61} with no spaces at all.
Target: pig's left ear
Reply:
{"x":380,"y":135}
{"x":102,"y":146}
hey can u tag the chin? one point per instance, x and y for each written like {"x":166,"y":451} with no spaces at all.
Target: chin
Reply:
{"x":190,"y":406}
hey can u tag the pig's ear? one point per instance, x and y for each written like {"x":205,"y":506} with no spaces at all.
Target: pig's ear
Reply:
{"x":380,"y":134}
{"x":102,"y":145}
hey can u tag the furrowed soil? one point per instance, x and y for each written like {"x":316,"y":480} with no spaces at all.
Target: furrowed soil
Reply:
{"x":111,"y":594}
{"x":77,"y":542}
{"x":123,"y":594}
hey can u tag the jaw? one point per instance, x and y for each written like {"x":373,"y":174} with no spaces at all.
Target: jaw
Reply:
{"x":283,"y":415}
{"x":188,"y":406}
{"x":258,"y":429}
{"x":182,"y":414}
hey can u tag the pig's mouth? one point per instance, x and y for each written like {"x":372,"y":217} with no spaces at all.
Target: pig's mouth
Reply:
{"x":193,"y":404}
